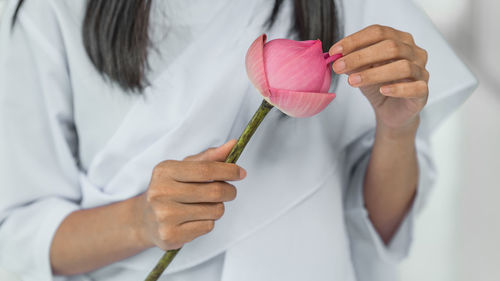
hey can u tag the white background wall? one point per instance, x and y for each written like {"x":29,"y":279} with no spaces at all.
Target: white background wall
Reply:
{"x":458,"y":235}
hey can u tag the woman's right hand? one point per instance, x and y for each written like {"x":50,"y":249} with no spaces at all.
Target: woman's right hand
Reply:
{"x":184,"y":198}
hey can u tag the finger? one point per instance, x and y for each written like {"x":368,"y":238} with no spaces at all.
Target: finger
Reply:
{"x":213,"y":154}
{"x":200,"y":171}
{"x":213,"y":192}
{"x":423,"y":57}
{"x":416,"y":89}
{"x":177,"y":213}
{"x":383,"y":51}
{"x":398,"y":70}
{"x":201,"y":211}
{"x":369,"y":36}
{"x":193,"y":229}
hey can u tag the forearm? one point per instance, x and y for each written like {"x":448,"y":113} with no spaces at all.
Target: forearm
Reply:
{"x":391,"y":178}
{"x":90,"y":239}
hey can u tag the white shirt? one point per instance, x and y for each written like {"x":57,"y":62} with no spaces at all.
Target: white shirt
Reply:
{"x":71,"y":140}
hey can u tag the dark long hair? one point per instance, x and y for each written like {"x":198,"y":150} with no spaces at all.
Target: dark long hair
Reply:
{"x":116,"y":38}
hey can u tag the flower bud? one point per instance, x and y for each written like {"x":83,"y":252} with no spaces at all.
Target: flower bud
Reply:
{"x":294,"y":76}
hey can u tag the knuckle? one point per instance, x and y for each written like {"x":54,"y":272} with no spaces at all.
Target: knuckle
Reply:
{"x":351,"y":43}
{"x":209,"y":226}
{"x":357,"y":58}
{"x":425,"y":55}
{"x":219,"y":210}
{"x":422,"y":86}
{"x":152,"y":195}
{"x":407,"y":68}
{"x":426,"y":75}
{"x":378,"y":30}
{"x":235,"y":170}
{"x":233,"y":191}
{"x":149,"y":198}
{"x":167,"y":234}
{"x":163,"y":168}
{"x":216,"y":192}
{"x":166,"y":214}
{"x":158,"y":215}
{"x":158,"y":170}
{"x":157,"y":192}
{"x":393,"y":48}
{"x":392,"y":44}
{"x":417,"y":71}
{"x":408,"y":36}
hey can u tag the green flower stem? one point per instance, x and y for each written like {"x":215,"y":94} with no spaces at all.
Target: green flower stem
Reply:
{"x":235,"y":153}
{"x":250,"y":129}
{"x":162,"y":264}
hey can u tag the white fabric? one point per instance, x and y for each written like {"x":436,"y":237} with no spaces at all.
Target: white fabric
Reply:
{"x":70,"y":140}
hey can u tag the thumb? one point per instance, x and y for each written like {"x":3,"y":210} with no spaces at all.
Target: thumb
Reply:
{"x":214,"y":153}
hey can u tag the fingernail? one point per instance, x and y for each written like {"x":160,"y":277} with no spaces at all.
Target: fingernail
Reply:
{"x":339,"y":66}
{"x":385,"y":90}
{"x":336,"y":50}
{"x":243,"y":173}
{"x":355,"y":79}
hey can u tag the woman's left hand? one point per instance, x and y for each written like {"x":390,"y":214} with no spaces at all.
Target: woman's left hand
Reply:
{"x":389,"y":68}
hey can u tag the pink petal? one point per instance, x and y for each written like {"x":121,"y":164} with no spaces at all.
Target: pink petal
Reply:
{"x":327,"y":80}
{"x":300,"y":104}
{"x":295,"y":65}
{"x":331,"y":59}
{"x":254,"y":62}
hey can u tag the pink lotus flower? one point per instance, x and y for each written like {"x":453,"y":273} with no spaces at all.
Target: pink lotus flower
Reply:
{"x":294,"y":76}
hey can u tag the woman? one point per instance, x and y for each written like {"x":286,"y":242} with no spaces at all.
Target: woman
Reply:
{"x":106,"y":162}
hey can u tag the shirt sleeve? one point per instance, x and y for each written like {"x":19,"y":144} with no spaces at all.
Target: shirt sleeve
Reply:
{"x":450,"y":84}
{"x":367,"y":245}
{"x":38,"y":142}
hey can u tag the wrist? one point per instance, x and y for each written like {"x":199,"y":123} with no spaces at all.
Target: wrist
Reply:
{"x":139,"y":233}
{"x":406,"y":133}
